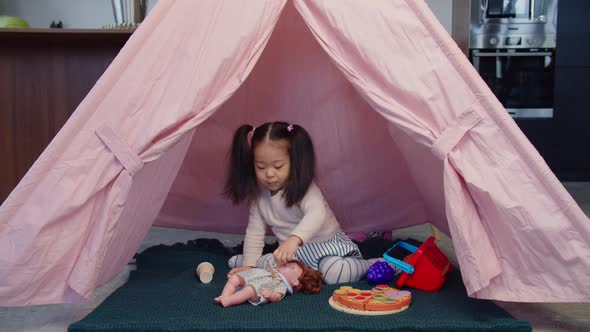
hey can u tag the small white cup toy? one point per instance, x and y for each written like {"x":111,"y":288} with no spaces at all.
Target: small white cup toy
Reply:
{"x":205,"y":272}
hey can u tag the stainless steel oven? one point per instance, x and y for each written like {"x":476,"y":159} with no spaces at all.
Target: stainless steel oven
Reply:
{"x":513,"y":11}
{"x":521,"y":79}
{"x":512,"y":45}
{"x":512,"y":24}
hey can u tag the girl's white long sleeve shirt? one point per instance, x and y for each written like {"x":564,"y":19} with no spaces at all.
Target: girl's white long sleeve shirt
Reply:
{"x":311,"y":220}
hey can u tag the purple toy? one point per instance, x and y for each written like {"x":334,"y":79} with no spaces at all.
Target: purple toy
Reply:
{"x":380,"y":273}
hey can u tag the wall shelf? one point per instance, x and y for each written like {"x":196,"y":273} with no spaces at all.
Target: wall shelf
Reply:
{"x":64,"y":34}
{"x":65,"y":31}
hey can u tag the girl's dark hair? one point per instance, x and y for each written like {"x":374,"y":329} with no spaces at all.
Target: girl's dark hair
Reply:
{"x":241,"y":181}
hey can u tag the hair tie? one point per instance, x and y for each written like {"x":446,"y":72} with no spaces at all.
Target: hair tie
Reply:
{"x":290,"y":128}
{"x":250,"y":134}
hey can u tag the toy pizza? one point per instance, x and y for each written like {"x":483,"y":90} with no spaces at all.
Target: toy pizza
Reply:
{"x":381,"y":300}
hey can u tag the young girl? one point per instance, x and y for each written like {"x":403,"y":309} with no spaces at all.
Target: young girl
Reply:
{"x":272,"y":168}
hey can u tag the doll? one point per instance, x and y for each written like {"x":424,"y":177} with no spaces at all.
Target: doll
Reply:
{"x":259,"y":286}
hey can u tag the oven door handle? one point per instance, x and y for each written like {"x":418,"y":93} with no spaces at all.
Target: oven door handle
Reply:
{"x":484,"y":9}
{"x":492,"y":54}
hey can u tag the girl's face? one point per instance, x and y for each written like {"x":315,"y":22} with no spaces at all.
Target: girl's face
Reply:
{"x":272,"y":164}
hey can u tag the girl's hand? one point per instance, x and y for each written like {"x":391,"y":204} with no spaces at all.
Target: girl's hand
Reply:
{"x":238,"y":269}
{"x":286,"y":250}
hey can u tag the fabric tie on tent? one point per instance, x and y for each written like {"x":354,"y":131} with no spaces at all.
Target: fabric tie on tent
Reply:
{"x":451,"y":136}
{"x":129,"y":159}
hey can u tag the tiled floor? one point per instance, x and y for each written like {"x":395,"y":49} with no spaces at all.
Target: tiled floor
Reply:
{"x":54,"y":318}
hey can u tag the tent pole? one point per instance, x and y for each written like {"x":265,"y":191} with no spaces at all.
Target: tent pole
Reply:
{"x":435,"y":232}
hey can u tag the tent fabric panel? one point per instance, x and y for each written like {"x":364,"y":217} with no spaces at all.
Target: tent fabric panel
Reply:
{"x":341,"y":30}
{"x":538,"y":231}
{"x":538,"y":243}
{"x":392,"y":61}
{"x":146,"y":197}
{"x":385,"y":53}
{"x":78,"y":188}
{"x":429,"y":183}
{"x":64,"y":209}
{"x":407,"y":89}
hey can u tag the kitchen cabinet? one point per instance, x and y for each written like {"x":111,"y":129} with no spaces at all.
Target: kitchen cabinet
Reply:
{"x":44,"y":75}
{"x":572,"y":123}
{"x":572,"y":89}
{"x":573,"y":33}
{"x":538,"y":132}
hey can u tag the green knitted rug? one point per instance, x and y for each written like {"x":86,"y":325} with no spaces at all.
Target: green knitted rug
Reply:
{"x":163,"y":294}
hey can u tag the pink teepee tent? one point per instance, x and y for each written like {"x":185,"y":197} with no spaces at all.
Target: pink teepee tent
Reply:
{"x":405,"y":132}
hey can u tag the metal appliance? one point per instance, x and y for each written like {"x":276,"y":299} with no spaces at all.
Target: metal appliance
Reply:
{"x":511,"y":43}
{"x":129,"y":13}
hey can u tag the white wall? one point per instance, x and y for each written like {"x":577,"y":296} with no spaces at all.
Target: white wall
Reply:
{"x":94,"y":14}
{"x":443,"y":9}
{"x":7,"y":7}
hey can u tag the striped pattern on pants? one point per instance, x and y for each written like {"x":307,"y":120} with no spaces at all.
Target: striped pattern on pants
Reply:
{"x":339,"y":259}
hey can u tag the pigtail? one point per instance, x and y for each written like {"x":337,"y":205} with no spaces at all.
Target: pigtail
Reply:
{"x":241,"y":178}
{"x":302,"y":164}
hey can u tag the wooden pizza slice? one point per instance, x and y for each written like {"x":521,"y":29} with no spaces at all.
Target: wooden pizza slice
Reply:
{"x":382,"y":299}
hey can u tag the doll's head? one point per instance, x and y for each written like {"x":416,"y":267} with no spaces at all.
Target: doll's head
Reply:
{"x":310,"y":280}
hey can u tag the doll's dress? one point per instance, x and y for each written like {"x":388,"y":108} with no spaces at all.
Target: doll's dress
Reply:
{"x":262,"y":278}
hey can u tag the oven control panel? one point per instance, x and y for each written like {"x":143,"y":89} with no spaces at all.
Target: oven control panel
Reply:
{"x":513,"y":41}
